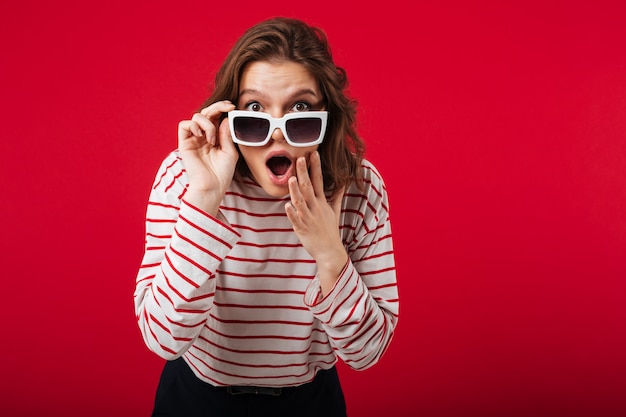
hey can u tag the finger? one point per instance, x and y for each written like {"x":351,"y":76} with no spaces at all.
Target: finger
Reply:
{"x":304,"y":182}
{"x":317,"y":179}
{"x":298,"y":200}
{"x":225,"y":138}
{"x":188,"y":128}
{"x":292,"y":215}
{"x":206,"y":125}
{"x":215,"y":110}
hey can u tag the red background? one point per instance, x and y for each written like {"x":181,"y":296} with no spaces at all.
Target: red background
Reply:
{"x":501,"y":134}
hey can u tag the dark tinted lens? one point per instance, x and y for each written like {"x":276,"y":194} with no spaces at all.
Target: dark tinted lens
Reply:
{"x":304,"y":130}
{"x":251,"y":129}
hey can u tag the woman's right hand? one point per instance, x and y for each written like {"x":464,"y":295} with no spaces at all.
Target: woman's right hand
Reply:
{"x":209,"y":156}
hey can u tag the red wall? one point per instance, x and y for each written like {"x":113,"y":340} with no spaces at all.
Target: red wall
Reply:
{"x":500,"y":131}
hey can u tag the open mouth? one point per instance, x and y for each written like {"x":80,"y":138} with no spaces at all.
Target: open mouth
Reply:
{"x":279,"y":165}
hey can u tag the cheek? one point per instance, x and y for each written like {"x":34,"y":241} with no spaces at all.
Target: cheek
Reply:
{"x":309,"y":151}
{"x":252,"y":156}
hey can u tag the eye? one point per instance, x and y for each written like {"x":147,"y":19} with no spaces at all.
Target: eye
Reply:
{"x":301,"y":106}
{"x":253,"y":106}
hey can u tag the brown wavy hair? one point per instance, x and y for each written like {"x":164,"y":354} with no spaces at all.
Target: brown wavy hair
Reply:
{"x":283,"y":39}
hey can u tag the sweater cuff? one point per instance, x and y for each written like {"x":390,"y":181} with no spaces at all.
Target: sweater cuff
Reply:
{"x":322,"y":305}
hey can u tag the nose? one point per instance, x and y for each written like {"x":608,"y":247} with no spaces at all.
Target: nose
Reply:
{"x":277,"y":135}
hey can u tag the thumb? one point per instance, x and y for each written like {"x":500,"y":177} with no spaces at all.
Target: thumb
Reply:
{"x":225,"y":139}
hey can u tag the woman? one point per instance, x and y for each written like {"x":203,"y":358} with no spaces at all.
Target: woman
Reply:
{"x":268,"y":244}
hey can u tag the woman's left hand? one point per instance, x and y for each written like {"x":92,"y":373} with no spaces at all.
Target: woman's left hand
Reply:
{"x":316,"y":220}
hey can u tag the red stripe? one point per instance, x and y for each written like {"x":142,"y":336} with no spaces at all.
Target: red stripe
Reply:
{"x":356,"y":339}
{"x":354,"y":211}
{"x":380,"y":287}
{"x":345,"y":298}
{"x":249,"y":213}
{"x":178,"y":339}
{"x":169,"y":206}
{"x":277,"y":337}
{"x":272,"y":260}
{"x":282,"y":230}
{"x":150,"y":220}
{"x":351,"y":313}
{"x":373,"y":210}
{"x":208,"y":216}
{"x":148,"y":278}
{"x":177,"y":176}
{"x":183,"y":310}
{"x":256,"y":291}
{"x":179,"y":273}
{"x":192,"y":262}
{"x":182,"y":194}
{"x":167,"y":168}
{"x":261,"y":307}
{"x":195,"y":245}
{"x":156,"y":339}
{"x":379,"y":271}
{"x":373,"y":243}
{"x":250,"y":365}
{"x":206,"y":232}
{"x":159,"y":236}
{"x":374,"y":256}
{"x":279,"y":352}
{"x":280,"y":276}
{"x":270,"y":245}
{"x":287,"y":322}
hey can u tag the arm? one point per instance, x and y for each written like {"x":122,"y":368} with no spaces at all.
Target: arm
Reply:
{"x":176,"y":282}
{"x":185,"y":242}
{"x":355,"y":294}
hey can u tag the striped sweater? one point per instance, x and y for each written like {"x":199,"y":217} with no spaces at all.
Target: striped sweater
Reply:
{"x":238,"y":297}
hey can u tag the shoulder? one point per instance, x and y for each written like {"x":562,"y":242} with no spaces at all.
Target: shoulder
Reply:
{"x":171,"y":175}
{"x":367,"y":203}
{"x":372,"y":187}
{"x":372,"y":177}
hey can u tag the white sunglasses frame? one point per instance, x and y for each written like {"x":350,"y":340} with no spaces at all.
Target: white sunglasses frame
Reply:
{"x":278,"y":122}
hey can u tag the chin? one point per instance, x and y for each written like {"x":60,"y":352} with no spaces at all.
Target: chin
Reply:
{"x":273,"y":186}
{"x":275,"y":191}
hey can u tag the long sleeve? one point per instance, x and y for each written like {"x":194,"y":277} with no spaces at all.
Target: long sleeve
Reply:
{"x":238,"y":297}
{"x":176,"y":281}
{"x":360,"y":313}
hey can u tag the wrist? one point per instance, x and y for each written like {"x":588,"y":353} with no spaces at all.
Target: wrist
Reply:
{"x":330,"y":268}
{"x":207,"y":201}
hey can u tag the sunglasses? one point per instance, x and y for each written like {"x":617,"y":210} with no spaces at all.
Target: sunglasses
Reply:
{"x":300,"y":129}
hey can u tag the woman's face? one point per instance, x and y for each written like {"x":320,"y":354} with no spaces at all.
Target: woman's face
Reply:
{"x":276,"y":89}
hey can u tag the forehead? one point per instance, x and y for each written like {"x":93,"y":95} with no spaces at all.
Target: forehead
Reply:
{"x":277,"y":78}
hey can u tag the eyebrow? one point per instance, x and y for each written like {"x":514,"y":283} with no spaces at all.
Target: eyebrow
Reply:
{"x":298,"y":93}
